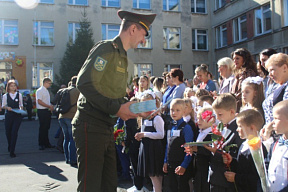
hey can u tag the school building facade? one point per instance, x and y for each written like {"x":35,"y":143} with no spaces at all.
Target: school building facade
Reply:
{"x":184,"y":34}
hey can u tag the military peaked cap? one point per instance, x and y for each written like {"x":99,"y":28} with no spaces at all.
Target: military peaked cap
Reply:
{"x":144,"y":20}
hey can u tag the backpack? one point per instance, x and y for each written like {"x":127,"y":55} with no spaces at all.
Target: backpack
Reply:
{"x":64,"y":103}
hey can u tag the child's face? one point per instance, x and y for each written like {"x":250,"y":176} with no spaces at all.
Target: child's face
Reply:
{"x":12,"y":87}
{"x":280,"y":122}
{"x":176,"y":112}
{"x":248,"y":93}
{"x":143,"y":83}
{"x":188,"y":110}
{"x":241,"y":129}
{"x":201,"y":123}
{"x":246,"y":131}
{"x":190,"y":94}
{"x":225,"y":116}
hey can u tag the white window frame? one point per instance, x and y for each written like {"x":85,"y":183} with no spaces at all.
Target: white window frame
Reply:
{"x":138,"y":5}
{"x":168,"y":3}
{"x":239,"y":22}
{"x":221,"y":30}
{"x":220,"y":4}
{"x":262,"y":20}
{"x":36,"y":76}
{"x":107,"y":3}
{"x":167,"y":29}
{"x":285,"y":12}
{"x":74,"y":3}
{"x":2,"y":24}
{"x":138,"y":68}
{"x":195,"y":7}
{"x":74,"y":31}
{"x":39,"y":33}
{"x":107,"y":29}
{"x":196,"y":39}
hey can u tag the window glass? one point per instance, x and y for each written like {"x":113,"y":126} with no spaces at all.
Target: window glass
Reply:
{"x":10,"y":34}
{"x":141,"y":4}
{"x":171,"y":5}
{"x":171,"y":38}
{"x":111,"y":3}
{"x":109,"y":31}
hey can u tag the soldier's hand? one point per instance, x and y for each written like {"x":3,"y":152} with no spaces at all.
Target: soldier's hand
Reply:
{"x":125,"y":113}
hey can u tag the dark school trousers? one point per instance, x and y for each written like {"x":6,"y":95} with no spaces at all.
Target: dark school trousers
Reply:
{"x":177,"y":183}
{"x":44,"y":116}
{"x":12,"y":124}
{"x":96,"y":157}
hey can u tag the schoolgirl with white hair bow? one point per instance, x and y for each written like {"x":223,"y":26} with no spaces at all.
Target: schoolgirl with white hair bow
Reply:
{"x":252,"y":94}
{"x":151,"y":152}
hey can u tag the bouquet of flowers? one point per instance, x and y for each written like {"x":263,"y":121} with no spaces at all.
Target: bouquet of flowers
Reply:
{"x":119,"y":137}
{"x":255,"y":146}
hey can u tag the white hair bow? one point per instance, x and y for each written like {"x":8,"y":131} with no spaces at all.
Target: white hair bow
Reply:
{"x":255,"y":80}
{"x":149,"y":92}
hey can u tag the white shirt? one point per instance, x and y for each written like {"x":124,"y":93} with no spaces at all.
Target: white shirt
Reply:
{"x":158,"y":125}
{"x":277,"y":171}
{"x":43,"y":94}
{"x":12,"y":95}
{"x":203,"y":133}
{"x":187,"y":118}
{"x":227,"y":84}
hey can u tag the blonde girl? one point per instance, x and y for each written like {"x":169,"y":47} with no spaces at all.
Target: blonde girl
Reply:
{"x":252,"y":93}
{"x":144,"y":84}
{"x":189,"y":92}
{"x":189,"y":116}
{"x":151,"y":152}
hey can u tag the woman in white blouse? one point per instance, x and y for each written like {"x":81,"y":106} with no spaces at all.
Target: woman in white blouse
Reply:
{"x":12,"y":100}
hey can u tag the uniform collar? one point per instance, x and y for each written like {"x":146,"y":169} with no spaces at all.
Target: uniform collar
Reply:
{"x":117,"y":44}
{"x":180,"y":121}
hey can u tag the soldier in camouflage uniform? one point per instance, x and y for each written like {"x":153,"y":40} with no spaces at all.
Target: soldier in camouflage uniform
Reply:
{"x":102,"y":83}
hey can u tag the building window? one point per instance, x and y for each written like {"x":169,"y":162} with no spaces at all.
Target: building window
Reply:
{"x":221,"y":36}
{"x":5,"y":70}
{"x":111,"y":3}
{"x":143,"y":69}
{"x":72,"y":32}
{"x":240,"y":28}
{"x":219,"y":4}
{"x":199,"y":39}
{"x":141,"y":4}
{"x":9,"y":32}
{"x":78,"y":2}
{"x":285,"y":12}
{"x":109,"y":31}
{"x":47,"y":1}
{"x":198,"y":6}
{"x":148,"y":44}
{"x":263,"y":20}
{"x":43,"y":33}
{"x":167,"y":68}
{"x":171,"y":5}
{"x":40,"y":71}
{"x":172,"y":38}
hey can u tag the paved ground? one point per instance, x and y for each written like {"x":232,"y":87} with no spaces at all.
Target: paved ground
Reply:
{"x":33,"y":170}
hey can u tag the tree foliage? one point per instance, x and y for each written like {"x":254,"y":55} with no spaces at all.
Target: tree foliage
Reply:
{"x":77,"y":52}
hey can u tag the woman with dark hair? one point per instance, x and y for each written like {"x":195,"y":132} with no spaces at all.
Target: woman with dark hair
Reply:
{"x":244,"y":67}
{"x":269,"y":85}
{"x":202,"y":74}
{"x":12,"y":100}
{"x":177,"y":79}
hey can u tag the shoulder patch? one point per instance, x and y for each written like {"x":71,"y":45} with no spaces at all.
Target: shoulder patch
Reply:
{"x":100,"y":63}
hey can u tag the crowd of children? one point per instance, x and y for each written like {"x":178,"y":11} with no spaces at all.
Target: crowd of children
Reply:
{"x":200,"y":141}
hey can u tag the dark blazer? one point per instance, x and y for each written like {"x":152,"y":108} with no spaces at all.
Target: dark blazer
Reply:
{"x":203,"y":158}
{"x":247,"y":178}
{"x":218,"y":168}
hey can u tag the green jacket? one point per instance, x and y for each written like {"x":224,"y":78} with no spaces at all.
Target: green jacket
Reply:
{"x":102,"y":83}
